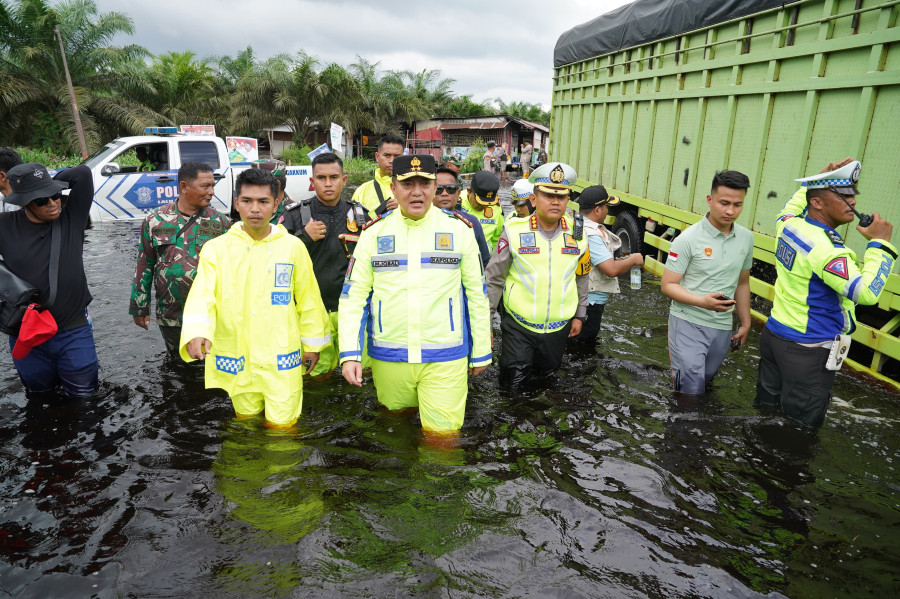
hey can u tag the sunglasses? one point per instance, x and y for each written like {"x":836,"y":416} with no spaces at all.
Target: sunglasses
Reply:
{"x":41,"y":202}
{"x":451,"y":189}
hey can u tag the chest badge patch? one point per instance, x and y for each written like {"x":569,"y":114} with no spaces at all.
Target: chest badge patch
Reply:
{"x":488,"y":212}
{"x":707,"y":252}
{"x":443,"y":241}
{"x":570,"y":241}
{"x":283,"y":275}
{"x":385,"y":244}
{"x":351,"y":223}
{"x":838,"y":267}
{"x":526,"y":240}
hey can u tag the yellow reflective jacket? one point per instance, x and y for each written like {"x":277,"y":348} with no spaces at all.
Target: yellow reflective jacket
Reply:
{"x":819,"y":279}
{"x":415,"y":291}
{"x":259,"y":304}
{"x":366,"y":195}
{"x":540,"y":290}
{"x":491,"y":219}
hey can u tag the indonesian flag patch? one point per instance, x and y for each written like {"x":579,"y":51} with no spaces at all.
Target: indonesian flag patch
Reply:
{"x":673,"y":256}
{"x":838,"y":267}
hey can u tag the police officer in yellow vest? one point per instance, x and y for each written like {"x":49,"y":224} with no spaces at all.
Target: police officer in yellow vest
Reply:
{"x":414,"y":291}
{"x":376,"y":195}
{"x":541,"y":269}
{"x":483,"y":202}
{"x":820,"y":282}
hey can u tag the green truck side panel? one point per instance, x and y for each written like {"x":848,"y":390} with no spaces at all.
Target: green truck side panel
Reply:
{"x":776,"y":95}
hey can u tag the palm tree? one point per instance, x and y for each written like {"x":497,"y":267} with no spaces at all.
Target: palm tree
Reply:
{"x":279,"y":91}
{"x":185,"y":90}
{"x":33,"y":90}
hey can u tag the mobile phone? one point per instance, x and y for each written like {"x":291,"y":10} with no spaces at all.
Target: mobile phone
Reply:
{"x":725,"y":298}
{"x":735,"y":344}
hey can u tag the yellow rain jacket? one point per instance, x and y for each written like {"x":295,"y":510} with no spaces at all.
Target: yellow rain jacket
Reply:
{"x":366,"y":195}
{"x":259,"y":304}
{"x":415,"y":291}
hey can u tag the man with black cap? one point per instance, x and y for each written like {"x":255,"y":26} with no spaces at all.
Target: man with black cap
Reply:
{"x":603,"y":280}
{"x":414,"y":297}
{"x":819,"y":284}
{"x":540,"y":268}
{"x":483,"y":202}
{"x":43,"y":244}
{"x":446,"y":197}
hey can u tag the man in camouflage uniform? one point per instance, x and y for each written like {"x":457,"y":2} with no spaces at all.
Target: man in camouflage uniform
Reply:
{"x":279,"y":170}
{"x":169,"y":249}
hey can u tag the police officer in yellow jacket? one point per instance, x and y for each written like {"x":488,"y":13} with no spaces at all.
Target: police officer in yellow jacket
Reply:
{"x":541,"y":269}
{"x":819,"y":284}
{"x":483,"y":202}
{"x":415,"y":292}
{"x":376,"y":195}
{"x":254,"y":312}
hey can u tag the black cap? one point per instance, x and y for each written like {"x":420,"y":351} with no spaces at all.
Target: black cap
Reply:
{"x":596,"y":195}
{"x":31,"y":181}
{"x":414,"y":165}
{"x":484,"y":188}
{"x":491,"y":143}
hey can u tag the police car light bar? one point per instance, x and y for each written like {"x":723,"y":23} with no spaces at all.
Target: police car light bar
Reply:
{"x":160,"y":130}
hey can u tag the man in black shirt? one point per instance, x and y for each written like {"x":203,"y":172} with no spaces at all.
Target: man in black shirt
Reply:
{"x":69,"y":358}
{"x":329,"y":227}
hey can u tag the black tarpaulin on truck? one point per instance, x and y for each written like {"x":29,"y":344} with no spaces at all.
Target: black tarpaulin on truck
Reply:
{"x":646,"y":21}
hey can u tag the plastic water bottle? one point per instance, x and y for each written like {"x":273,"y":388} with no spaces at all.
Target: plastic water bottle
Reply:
{"x":635,"y":277}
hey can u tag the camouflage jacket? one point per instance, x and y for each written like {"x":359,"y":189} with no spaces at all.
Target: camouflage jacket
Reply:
{"x":170,"y":264}
{"x":286,"y":204}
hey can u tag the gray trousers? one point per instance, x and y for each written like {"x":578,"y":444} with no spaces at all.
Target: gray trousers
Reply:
{"x":696,"y":352}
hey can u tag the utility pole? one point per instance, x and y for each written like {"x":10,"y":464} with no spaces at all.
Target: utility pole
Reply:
{"x":84,"y":152}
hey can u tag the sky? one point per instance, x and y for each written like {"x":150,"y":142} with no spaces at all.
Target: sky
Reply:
{"x":490,"y":49}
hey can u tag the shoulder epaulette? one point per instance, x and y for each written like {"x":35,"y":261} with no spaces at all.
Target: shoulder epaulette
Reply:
{"x":376,"y":219}
{"x":294,"y":205}
{"x":455,"y":214}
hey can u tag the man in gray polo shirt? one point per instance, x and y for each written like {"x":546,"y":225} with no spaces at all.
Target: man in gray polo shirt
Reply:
{"x":707,"y":276}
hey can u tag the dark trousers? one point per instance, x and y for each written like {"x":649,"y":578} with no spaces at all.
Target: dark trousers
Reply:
{"x":68,"y":359}
{"x":794,"y":378}
{"x":591,"y":327}
{"x":526,"y":354}
{"x":172,"y":338}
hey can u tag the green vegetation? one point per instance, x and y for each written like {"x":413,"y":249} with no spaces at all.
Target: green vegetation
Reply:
{"x":358,"y":170}
{"x":296,"y":156}
{"x":123,"y":89}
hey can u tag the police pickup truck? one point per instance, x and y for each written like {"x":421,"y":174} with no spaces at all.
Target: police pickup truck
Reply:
{"x":130,"y":192}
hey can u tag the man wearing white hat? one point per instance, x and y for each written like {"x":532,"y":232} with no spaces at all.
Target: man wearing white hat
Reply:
{"x":819,"y":284}
{"x":522,"y":198}
{"x":540,"y":268}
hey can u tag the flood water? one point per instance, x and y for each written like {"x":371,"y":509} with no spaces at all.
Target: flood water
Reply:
{"x":597,"y":485}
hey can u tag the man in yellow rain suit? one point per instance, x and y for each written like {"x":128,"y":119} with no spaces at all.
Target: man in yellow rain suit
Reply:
{"x":255,"y":309}
{"x":415,"y":291}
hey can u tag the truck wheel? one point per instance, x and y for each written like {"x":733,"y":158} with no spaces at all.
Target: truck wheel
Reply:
{"x":628,"y":228}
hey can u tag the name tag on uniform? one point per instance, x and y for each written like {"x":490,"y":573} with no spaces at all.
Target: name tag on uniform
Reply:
{"x":573,"y":251}
{"x":529,"y":250}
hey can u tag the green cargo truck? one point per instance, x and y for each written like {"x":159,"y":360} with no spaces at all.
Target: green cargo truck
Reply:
{"x":653,"y":98}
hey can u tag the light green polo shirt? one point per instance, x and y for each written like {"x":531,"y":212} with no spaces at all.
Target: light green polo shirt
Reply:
{"x":709,"y":262}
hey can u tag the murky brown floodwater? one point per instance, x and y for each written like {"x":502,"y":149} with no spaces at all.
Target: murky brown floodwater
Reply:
{"x":596,"y":486}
